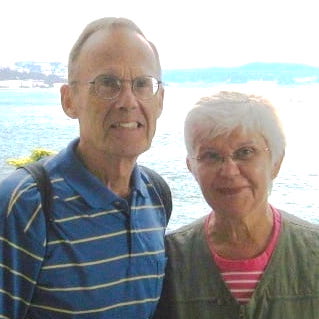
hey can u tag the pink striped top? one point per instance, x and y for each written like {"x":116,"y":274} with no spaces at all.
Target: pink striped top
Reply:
{"x":242,"y":276}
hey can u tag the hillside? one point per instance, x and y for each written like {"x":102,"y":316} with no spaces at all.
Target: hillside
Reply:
{"x":32,"y":74}
{"x":282,"y":73}
{"x":47,"y":80}
{"x":46,"y":74}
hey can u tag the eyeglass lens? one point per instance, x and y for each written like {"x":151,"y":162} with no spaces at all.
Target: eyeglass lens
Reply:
{"x":109,"y":87}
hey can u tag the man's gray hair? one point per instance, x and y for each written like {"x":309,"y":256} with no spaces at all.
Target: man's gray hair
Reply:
{"x":107,"y":23}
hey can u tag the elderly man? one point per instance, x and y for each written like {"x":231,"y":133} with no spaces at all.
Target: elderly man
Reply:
{"x":102,"y":253}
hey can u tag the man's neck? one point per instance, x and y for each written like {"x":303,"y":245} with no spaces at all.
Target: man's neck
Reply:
{"x":113,"y":171}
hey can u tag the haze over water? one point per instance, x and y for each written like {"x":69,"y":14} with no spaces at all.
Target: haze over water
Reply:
{"x":33,"y":118}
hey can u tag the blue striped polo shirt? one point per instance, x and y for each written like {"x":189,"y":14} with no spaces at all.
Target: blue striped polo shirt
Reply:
{"x":100,"y":257}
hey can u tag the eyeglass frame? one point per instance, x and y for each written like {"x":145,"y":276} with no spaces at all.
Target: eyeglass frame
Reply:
{"x":119,"y":82}
{"x":221,"y":159}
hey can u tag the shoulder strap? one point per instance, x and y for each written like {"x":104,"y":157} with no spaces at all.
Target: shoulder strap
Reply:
{"x":162,"y":188}
{"x":37,"y":171}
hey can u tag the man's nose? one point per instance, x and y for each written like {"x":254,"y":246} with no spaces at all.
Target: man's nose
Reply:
{"x":126,"y":99}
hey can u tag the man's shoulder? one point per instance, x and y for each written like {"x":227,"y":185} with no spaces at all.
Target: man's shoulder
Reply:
{"x":19,"y":206}
{"x":15,"y":181}
{"x":18,"y":190}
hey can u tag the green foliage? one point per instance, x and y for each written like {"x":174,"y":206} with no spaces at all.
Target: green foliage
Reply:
{"x":36,"y":155}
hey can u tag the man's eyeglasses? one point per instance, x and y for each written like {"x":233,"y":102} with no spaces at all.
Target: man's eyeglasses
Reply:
{"x":109,"y":87}
{"x":242,"y":156}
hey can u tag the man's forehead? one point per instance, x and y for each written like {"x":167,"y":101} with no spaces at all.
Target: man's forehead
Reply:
{"x":118,"y":54}
{"x":122,"y":42}
{"x":109,"y":40}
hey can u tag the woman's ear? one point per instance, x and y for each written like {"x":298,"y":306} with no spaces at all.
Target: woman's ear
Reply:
{"x":276,"y":167}
{"x":67,"y":101}
{"x":191,"y":168}
{"x":189,"y":165}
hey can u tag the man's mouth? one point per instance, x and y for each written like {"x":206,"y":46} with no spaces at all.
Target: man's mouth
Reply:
{"x":128,"y":125}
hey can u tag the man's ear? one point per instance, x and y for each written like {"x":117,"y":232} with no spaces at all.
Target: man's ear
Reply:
{"x":276,"y":167}
{"x":67,"y":101}
{"x":160,"y":102}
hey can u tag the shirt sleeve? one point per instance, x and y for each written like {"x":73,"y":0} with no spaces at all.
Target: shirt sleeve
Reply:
{"x":22,"y":243}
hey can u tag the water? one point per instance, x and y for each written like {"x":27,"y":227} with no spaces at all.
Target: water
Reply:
{"x":33,"y":118}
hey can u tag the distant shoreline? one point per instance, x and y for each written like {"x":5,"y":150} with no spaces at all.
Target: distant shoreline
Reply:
{"x":256,"y":84}
{"x":46,"y":75}
{"x":27,"y":84}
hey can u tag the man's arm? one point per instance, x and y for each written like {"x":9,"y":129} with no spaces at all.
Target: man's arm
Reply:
{"x":22,"y":244}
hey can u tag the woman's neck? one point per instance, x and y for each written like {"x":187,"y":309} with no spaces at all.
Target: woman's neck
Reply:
{"x":240,"y":238}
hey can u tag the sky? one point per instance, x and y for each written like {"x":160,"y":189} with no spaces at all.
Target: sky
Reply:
{"x":188,"y":34}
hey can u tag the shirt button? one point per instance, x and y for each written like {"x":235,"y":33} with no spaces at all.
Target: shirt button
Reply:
{"x":220,"y":301}
{"x":117,"y":204}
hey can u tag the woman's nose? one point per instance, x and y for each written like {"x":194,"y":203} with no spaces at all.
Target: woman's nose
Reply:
{"x":228,"y":166}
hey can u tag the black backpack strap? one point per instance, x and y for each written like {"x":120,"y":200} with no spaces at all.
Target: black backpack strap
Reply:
{"x":162,"y":188}
{"x":38,"y":173}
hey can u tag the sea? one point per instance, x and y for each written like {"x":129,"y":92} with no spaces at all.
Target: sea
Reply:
{"x":32,"y":118}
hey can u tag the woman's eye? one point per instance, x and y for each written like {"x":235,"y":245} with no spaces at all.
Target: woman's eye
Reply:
{"x":244,"y":153}
{"x":212,"y":156}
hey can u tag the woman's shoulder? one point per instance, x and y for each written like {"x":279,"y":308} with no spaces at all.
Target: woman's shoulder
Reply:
{"x":300,"y":230}
{"x":187,"y":232}
{"x":297,"y":222}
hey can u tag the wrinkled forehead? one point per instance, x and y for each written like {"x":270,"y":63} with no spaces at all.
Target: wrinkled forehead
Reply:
{"x":116,"y":50}
{"x":209,"y":135}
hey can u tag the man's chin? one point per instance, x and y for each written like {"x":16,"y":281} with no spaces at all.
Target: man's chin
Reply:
{"x":131,"y":151}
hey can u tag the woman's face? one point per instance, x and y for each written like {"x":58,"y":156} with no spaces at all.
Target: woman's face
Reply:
{"x":234,"y":171}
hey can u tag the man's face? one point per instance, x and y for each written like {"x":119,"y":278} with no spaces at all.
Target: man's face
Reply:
{"x":122,"y":127}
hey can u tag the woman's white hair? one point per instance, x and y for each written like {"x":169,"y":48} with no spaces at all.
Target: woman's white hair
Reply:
{"x":224,"y":112}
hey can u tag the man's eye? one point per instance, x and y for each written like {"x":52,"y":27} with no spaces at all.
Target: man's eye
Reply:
{"x":142,"y":82}
{"x":108,"y":82}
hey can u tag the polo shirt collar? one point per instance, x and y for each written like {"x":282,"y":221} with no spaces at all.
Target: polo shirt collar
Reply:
{"x":91,"y":189}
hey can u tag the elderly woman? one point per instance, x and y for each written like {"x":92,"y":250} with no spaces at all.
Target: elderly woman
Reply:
{"x":246,"y":259}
